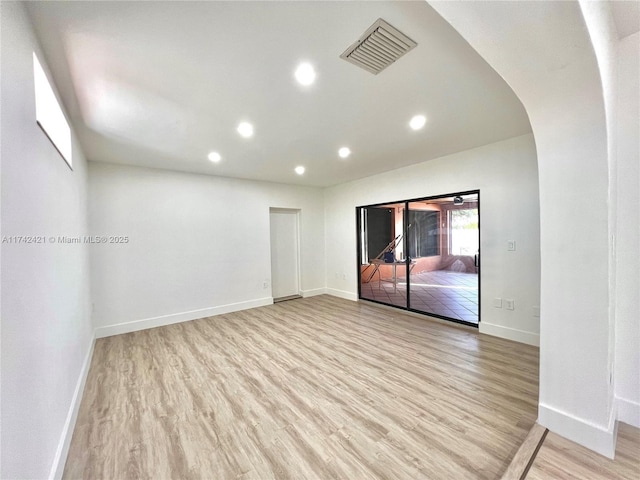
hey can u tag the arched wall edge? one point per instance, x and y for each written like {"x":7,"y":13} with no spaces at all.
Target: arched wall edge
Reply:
{"x":544,"y":51}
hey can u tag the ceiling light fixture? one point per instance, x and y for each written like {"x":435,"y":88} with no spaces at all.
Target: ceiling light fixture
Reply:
{"x":305,"y":74}
{"x":417,"y":122}
{"x":214,"y":157}
{"x":245,"y":129}
{"x":299,"y":170}
{"x":344,"y":152}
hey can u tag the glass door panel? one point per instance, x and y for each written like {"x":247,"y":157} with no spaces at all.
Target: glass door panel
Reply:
{"x":383,"y":271}
{"x":443,"y":242}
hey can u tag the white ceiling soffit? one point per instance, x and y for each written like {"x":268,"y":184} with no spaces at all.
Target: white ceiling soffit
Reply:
{"x":162,"y":84}
{"x":378,"y":47}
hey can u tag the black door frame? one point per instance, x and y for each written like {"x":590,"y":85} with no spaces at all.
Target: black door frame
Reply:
{"x":405,"y":245}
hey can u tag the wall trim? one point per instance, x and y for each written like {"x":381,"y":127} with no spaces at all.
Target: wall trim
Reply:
{"x":313,"y":292}
{"x":60,"y":458}
{"x":342,"y":294}
{"x":628,"y":411}
{"x":145,"y":323}
{"x":588,"y":434}
{"x":521,"y":336}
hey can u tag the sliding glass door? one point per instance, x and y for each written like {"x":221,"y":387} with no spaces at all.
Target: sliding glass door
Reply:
{"x":383,"y":270}
{"x":443,"y":239}
{"x":423,"y":255}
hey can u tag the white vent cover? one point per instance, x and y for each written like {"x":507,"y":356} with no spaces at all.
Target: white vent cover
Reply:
{"x":378,"y":47}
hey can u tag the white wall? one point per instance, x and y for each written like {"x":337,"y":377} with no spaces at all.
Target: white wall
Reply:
{"x":627,"y":124}
{"x":618,"y":64}
{"x":559,"y":83}
{"x":598,"y":18}
{"x":506,"y":175}
{"x":46,"y":330}
{"x":198,"y":245}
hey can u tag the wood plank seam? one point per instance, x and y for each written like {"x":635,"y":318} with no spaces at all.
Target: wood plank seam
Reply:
{"x":534,"y":455}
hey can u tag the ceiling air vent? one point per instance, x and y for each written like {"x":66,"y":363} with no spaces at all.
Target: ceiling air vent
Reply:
{"x":378,"y":47}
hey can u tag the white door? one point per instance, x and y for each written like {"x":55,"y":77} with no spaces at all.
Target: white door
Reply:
{"x":284,"y":253}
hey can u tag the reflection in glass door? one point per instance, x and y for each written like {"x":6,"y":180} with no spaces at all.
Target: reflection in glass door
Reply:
{"x":383,"y":270}
{"x":444,"y":241}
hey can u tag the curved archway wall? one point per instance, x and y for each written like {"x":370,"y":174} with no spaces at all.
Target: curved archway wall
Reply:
{"x":559,"y":58}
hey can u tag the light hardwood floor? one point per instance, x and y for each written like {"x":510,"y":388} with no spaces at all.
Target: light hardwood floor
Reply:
{"x":523,"y":458}
{"x":316,"y":388}
{"x":561,"y":459}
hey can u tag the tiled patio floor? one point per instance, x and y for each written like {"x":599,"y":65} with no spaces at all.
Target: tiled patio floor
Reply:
{"x":442,"y":292}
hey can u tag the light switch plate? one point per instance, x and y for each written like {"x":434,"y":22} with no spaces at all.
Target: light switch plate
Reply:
{"x":511,"y":245}
{"x":497,"y":302}
{"x":509,"y":304}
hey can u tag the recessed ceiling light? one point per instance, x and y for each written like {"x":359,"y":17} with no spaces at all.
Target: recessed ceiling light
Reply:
{"x":245,"y":129}
{"x":299,"y":170}
{"x":214,"y":157}
{"x":305,"y":74}
{"x":344,"y":152}
{"x":417,"y":122}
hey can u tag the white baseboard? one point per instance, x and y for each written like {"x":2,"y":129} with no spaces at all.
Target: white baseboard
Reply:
{"x":595,"y":437}
{"x":60,"y":458}
{"x":628,"y":411}
{"x":136,"y":325}
{"x":521,"y":336}
{"x":313,"y":293}
{"x":342,"y":294}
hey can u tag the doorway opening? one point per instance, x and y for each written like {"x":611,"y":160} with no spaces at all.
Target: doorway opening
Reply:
{"x":423,"y":255}
{"x":285,"y":254}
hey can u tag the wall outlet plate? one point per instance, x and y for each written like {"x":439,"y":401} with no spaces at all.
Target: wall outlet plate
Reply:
{"x":497,"y":302}
{"x":510,"y":304}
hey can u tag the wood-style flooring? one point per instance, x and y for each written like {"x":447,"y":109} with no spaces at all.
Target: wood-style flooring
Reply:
{"x":561,"y":459}
{"x":521,"y":461}
{"x":316,"y":388}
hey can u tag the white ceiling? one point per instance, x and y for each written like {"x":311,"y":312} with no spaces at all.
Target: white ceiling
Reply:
{"x":161,"y":84}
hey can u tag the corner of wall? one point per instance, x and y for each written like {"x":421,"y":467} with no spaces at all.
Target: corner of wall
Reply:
{"x":314,"y":292}
{"x":60,"y":458}
{"x":628,"y":411}
{"x":342,"y":294}
{"x":588,"y":434}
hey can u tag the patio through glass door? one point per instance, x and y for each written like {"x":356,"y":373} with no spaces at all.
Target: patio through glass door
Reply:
{"x":423,"y":255}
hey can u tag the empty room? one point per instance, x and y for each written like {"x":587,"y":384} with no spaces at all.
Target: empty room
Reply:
{"x":320,"y":240}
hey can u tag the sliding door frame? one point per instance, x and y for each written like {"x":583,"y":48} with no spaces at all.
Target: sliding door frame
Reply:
{"x":407,"y":260}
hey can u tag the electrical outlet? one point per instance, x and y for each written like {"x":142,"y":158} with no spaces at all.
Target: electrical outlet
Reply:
{"x":344,"y":276}
{"x":265,"y":284}
{"x":536,"y":311}
{"x":511,"y":245}
{"x":509,"y":304}
{"x":497,"y":302}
